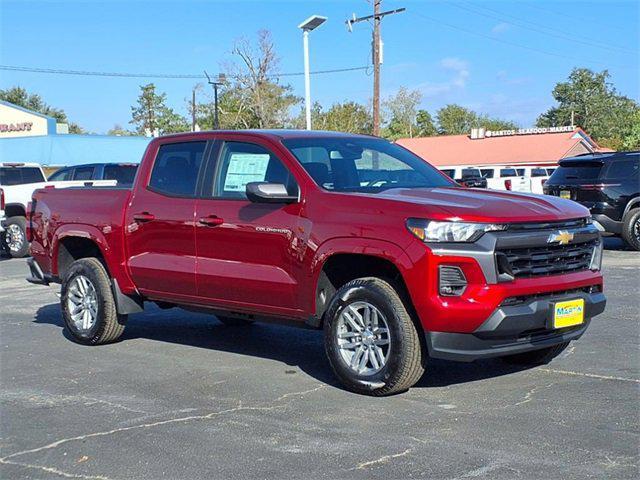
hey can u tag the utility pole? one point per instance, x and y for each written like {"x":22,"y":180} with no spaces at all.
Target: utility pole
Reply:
{"x":215,"y":84}
{"x":193,"y":109}
{"x":377,"y":54}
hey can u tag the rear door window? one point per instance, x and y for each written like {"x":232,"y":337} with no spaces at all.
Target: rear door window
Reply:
{"x":486,"y":172}
{"x":61,"y":175}
{"x":83,"y":173}
{"x":123,"y":174}
{"x":538,"y":172}
{"x":623,"y":168}
{"x":176,"y":168}
{"x":20,"y":176}
{"x":520,"y":171}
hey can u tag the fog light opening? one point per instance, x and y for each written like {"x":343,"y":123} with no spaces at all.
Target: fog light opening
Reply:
{"x":452,"y":282}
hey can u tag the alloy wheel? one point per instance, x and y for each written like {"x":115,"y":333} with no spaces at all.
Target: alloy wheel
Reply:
{"x":14,"y":238}
{"x":82,"y":303}
{"x":363,"y":338}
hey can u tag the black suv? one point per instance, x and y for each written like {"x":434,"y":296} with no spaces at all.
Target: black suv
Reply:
{"x":608,"y":185}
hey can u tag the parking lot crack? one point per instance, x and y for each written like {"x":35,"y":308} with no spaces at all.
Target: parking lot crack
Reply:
{"x":54,"y":470}
{"x":589,"y":375}
{"x":273,"y":405}
{"x":381,"y":460}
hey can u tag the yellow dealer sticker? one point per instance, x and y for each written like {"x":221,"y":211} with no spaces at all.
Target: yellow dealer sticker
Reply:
{"x":568,"y":314}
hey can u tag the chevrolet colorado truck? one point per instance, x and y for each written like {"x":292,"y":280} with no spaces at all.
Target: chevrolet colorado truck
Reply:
{"x":351,"y":234}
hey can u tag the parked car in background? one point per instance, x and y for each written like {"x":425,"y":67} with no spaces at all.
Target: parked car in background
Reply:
{"x":292,"y":225}
{"x":608,"y":185}
{"x":537,"y":176}
{"x":123,"y":173}
{"x":17,"y":182}
{"x":502,"y":177}
{"x":467,"y":176}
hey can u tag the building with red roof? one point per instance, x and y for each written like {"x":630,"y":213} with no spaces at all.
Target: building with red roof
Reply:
{"x":525,"y":146}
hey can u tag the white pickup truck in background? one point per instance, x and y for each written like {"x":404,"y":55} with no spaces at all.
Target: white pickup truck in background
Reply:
{"x":18,"y":181}
{"x":502,"y":177}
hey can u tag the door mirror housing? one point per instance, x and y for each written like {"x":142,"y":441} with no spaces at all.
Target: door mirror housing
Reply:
{"x":264,"y":192}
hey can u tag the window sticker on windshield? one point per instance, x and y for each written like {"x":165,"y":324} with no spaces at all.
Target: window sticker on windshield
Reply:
{"x":245,"y":168}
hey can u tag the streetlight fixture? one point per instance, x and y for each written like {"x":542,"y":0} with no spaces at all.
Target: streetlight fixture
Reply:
{"x":218,"y":82}
{"x":307,"y":26}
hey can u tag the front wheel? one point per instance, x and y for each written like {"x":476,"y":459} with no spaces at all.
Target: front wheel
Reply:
{"x":88,"y":306}
{"x":370,"y":339}
{"x":15,"y":237}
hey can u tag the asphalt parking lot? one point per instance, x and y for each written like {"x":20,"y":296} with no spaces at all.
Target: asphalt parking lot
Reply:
{"x":182,"y":396}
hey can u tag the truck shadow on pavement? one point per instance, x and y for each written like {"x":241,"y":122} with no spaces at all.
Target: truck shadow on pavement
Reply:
{"x":294,"y":347}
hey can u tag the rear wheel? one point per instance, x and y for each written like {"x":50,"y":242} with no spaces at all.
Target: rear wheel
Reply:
{"x":371,"y":341}
{"x":15,"y":237}
{"x":88,"y":306}
{"x":631,"y":228}
{"x":536,"y":357}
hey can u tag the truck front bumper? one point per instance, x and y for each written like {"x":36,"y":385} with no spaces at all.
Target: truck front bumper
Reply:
{"x":514,"y":329}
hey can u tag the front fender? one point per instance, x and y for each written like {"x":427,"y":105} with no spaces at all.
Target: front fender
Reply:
{"x":354,"y":245}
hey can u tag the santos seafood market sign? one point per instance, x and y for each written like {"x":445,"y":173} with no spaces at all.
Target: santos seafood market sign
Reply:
{"x":16,"y":127}
{"x":529,"y":131}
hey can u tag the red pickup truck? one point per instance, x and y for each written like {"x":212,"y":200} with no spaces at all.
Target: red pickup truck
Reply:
{"x":352,"y":234}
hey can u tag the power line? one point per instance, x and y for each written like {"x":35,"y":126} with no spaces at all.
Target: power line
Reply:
{"x":200,"y":76}
{"x":536,"y":27}
{"x":514,"y":44}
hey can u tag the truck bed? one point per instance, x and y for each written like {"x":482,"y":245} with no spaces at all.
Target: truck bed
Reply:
{"x":56,"y":213}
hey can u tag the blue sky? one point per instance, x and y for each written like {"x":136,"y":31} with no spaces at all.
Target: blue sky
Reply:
{"x":498,"y":57}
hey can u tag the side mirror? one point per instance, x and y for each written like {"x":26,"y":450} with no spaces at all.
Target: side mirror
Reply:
{"x":263,"y":192}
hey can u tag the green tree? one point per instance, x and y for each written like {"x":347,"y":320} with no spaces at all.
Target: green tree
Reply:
{"x":120,"y":131}
{"x":632,"y":140}
{"x":351,"y":117}
{"x":32,"y":101}
{"x":494,"y":124}
{"x":152,"y":115}
{"x":595,"y":105}
{"x":455,"y":120}
{"x":424,"y":124}
{"x":400,"y":111}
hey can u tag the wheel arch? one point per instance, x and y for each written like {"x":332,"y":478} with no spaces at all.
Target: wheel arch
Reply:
{"x":339,"y":261}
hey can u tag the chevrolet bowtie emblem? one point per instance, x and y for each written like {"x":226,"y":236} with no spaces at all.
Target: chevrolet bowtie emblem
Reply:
{"x":562,"y":237}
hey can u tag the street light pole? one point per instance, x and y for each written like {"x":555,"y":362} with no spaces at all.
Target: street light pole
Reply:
{"x":307,"y":26}
{"x":307,"y":79}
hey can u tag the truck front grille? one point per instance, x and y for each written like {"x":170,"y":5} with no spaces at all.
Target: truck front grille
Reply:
{"x":544,"y":260}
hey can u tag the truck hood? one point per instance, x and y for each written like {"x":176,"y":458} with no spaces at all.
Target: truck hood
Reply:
{"x":482,"y":205}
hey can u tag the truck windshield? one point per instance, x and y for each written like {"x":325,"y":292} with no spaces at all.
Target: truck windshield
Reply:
{"x":369,"y":165}
{"x":20,"y":175}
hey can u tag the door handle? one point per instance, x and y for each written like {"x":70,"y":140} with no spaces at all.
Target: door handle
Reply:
{"x":143,"y":217}
{"x":211,"y":221}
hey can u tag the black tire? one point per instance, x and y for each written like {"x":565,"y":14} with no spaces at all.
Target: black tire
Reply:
{"x":234,"y":322}
{"x":631,"y":228}
{"x":15,"y":237}
{"x":536,"y":357}
{"x":108,"y":326}
{"x":403,"y":367}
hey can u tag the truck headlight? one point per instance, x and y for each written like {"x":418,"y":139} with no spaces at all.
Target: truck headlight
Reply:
{"x":433,"y":231}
